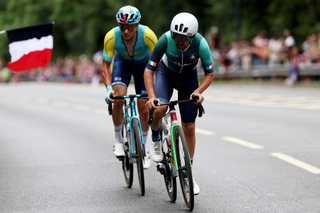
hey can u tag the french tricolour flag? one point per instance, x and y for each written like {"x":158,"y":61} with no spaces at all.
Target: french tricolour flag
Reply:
{"x":30,"y":47}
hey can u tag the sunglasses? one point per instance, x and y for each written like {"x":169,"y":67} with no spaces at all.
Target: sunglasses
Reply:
{"x":130,"y":27}
{"x":180,"y":38}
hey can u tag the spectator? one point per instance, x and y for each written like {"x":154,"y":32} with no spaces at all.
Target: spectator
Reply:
{"x":289,"y":42}
{"x":275,"y":46}
{"x":214,"y":41}
{"x":305,"y":44}
{"x":312,"y":48}
{"x":295,"y":60}
{"x":261,"y":43}
{"x":4,"y":72}
{"x":224,"y":60}
{"x":234,"y":54}
{"x":97,"y":59}
{"x":246,"y":60}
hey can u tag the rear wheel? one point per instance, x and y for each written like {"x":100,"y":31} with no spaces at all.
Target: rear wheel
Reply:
{"x":169,"y":181}
{"x":126,"y":166}
{"x":139,"y":153}
{"x":184,"y":165}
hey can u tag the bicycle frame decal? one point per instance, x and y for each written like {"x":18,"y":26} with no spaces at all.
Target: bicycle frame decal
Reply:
{"x":173,"y":116}
{"x":174,"y":145}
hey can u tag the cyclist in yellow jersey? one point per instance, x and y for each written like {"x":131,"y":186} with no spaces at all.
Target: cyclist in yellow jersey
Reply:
{"x":133,"y":43}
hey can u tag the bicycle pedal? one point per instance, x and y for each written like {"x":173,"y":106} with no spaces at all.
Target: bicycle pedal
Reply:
{"x":161,"y":168}
{"x":185,"y":174}
{"x":120,"y":158}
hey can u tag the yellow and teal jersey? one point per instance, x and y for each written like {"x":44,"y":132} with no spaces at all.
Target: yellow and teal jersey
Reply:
{"x":146,"y":40}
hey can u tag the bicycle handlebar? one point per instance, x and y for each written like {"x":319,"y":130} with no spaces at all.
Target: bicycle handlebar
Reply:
{"x":131,"y":96}
{"x":173,"y":103}
{"x":128,"y":96}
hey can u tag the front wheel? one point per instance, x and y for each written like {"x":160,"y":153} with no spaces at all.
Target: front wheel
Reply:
{"x":139,"y":153}
{"x":126,"y":166}
{"x":184,"y":166}
{"x":169,"y":181}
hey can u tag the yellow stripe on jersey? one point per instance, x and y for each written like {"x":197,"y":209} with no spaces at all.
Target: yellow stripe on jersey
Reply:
{"x":108,"y":48}
{"x":150,"y":39}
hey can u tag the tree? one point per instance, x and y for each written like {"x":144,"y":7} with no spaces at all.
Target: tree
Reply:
{"x":80,"y":25}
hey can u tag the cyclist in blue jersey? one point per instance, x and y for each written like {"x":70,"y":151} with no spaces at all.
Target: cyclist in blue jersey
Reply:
{"x":174,"y":62}
{"x":133,"y":43}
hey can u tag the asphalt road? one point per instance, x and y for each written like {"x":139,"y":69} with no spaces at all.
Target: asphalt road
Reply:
{"x":258,"y":150}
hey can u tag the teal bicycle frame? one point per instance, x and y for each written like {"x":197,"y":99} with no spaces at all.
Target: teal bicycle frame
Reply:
{"x":132,"y":123}
{"x":132,"y":107}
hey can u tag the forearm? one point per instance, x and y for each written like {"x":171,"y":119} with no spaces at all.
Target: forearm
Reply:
{"x":205,"y":82}
{"x":106,"y":73}
{"x":148,"y":81}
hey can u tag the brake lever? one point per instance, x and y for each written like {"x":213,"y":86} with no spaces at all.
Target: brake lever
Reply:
{"x":151,"y":112}
{"x":201,"y":109}
{"x":110,"y":105}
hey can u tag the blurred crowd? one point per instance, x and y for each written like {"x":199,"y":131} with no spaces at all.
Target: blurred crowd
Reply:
{"x":265,"y":50}
{"x":67,"y":70}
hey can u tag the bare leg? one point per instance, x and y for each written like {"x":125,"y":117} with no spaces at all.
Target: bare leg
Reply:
{"x":189,"y":133}
{"x":117,"y":111}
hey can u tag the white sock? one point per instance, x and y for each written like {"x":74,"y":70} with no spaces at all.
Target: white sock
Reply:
{"x":118,"y":134}
{"x":145,"y":136}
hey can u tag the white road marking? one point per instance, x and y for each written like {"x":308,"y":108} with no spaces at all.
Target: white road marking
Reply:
{"x":60,"y":104}
{"x":25,"y":97}
{"x":204,"y":132}
{"x":296,"y":162}
{"x":81,"y":107}
{"x":290,"y":102}
{"x":42,"y":100}
{"x":101,"y":111}
{"x":265,"y":100}
{"x":242,"y":142}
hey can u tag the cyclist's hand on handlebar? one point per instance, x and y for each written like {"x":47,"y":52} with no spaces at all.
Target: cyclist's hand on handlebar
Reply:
{"x":150,"y":103}
{"x":200,"y":97}
{"x":109,"y":92}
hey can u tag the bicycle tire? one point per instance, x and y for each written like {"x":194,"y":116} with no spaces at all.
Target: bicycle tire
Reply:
{"x":184,"y":164}
{"x":126,"y":166}
{"x":139,"y":154}
{"x":169,"y":181}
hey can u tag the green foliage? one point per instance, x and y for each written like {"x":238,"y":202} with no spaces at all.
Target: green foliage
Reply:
{"x":80,"y":25}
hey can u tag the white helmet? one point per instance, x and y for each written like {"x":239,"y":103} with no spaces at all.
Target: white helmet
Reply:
{"x":184,"y":24}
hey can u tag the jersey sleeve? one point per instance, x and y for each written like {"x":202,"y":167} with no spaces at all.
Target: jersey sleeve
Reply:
{"x":108,"y":46}
{"x":150,"y":39}
{"x":158,"y":51}
{"x":204,"y":53}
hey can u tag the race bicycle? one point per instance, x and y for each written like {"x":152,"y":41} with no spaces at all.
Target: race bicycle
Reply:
{"x":134,"y":148}
{"x":176,"y":159}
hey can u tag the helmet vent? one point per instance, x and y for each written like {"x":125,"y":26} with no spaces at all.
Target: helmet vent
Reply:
{"x":181,"y":27}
